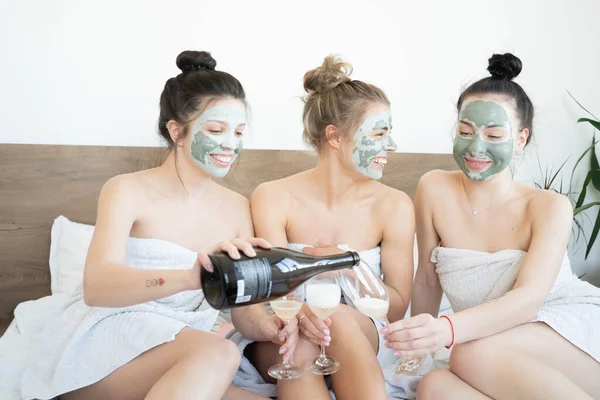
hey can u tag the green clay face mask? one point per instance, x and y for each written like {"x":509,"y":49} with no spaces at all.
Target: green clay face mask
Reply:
{"x":216,"y":141}
{"x":372,"y":144}
{"x":484,"y":143}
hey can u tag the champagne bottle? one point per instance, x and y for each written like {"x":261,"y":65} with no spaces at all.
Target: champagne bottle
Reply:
{"x":271,"y":274}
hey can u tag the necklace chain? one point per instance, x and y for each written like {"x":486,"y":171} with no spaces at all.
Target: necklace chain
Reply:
{"x":477,"y":212}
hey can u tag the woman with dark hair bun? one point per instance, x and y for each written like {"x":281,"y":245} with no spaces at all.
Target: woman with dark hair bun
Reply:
{"x":138,"y":327}
{"x":524,"y":326}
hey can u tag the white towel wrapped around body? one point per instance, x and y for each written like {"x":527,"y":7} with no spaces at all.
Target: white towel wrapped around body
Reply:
{"x":470,"y":278}
{"x":72,"y":345}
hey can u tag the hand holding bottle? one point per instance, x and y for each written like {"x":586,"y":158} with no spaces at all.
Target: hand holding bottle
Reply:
{"x":232,"y":248}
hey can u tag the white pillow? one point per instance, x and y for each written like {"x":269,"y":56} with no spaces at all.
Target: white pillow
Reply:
{"x":69,"y":242}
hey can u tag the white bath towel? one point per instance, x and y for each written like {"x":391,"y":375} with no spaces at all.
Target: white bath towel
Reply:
{"x":72,"y":345}
{"x":470,"y":278}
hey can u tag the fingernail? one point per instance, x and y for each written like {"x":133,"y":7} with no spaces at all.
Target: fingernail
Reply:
{"x":386,"y":337}
{"x":252,"y":253}
{"x":385,"y":330}
{"x":388,"y":345}
{"x":398,"y":354}
{"x":282,"y":350}
{"x":327,"y":338}
{"x":209,"y":268}
{"x":327,"y":343}
{"x":326,"y":331}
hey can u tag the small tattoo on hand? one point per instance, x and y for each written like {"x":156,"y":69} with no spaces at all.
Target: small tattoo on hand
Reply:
{"x":148,"y":283}
{"x":161,"y":281}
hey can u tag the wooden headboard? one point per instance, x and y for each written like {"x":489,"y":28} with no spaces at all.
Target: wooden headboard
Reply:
{"x":40,"y":182}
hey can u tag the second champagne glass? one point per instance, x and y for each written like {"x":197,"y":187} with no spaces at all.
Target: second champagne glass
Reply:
{"x":323,"y":298}
{"x":286,"y":308}
{"x":369,"y":295}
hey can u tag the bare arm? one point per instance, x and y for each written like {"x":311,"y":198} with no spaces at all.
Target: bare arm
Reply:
{"x":551,"y":228}
{"x":427,"y":293}
{"x":107,"y":281}
{"x":397,"y":254}
{"x":266,"y":218}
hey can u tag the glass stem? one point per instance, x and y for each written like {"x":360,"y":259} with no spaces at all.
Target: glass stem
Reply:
{"x":322,"y":356}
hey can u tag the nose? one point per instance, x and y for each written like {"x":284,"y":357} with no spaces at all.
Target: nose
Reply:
{"x":390,"y":145}
{"x":229,"y":141}
{"x":477,"y":146}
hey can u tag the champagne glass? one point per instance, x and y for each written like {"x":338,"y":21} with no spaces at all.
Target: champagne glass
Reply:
{"x":365,"y":289}
{"x":286,"y":308}
{"x":323,"y":297}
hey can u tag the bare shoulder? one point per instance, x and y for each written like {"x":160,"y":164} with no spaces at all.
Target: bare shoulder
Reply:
{"x":437,"y":180}
{"x":124,"y":187}
{"x":231,"y":197}
{"x":546,"y":204}
{"x":393,"y":201}
{"x":277,"y":190}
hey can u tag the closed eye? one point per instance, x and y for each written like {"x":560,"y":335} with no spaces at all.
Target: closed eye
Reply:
{"x":215,"y":132}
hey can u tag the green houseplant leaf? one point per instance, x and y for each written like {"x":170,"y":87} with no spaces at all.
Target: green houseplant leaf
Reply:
{"x":595,"y":124}
{"x":592,"y":174}
{"x":593,"y":236}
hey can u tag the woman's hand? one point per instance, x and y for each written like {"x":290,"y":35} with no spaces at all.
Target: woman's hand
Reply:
{"x":312,"y":328}
{"x":232,"y":248}
{"x":417,"y":336}
{"x":285,"y":335}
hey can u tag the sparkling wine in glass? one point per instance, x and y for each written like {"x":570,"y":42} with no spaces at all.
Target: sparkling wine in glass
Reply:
{"x":365,"y":289}
{"x":286,"y":308}
{"x":323,"y":298}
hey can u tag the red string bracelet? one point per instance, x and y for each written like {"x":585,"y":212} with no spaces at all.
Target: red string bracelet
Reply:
{"x":452,"y":327}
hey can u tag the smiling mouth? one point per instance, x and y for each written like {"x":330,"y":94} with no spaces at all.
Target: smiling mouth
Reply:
{"x":379,"y":162}
{"x":221,"y":160}
{"x":477,"y":164}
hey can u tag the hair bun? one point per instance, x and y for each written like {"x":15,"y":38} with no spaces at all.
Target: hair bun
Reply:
{"x":195,"y":60}
{"x":504,"y":66}
{"x":333,"y":72}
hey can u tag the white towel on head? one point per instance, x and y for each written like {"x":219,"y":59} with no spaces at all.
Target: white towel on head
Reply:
{"x":470,"y":278}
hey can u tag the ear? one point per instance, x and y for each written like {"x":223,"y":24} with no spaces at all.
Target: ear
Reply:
{"x":332,"y":135}
{"x":176,"y":131}
{"x":521,"y":140}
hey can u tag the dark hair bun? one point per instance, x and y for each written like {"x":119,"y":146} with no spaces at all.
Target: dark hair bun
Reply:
{"x":333,"y":72}
{"x":195,"y":60}
{"x":504,"y":66}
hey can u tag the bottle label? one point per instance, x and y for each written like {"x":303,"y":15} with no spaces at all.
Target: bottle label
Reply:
{"x":253,"y":279}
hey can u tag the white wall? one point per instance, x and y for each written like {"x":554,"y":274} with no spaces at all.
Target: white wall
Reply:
{"x":83,"y":72}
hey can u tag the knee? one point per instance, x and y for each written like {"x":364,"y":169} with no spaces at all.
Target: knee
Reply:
{"x":229,"y":356}
{"x":343,"y":321}
{"x":433,"y":385}
{"x":305,"y":350}
{"x":221,"y":353}
{"x":467,"y":359}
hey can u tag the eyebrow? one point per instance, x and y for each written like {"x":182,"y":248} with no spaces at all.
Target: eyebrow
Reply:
{"x":464,"y":121}
{"x":224,"y":122}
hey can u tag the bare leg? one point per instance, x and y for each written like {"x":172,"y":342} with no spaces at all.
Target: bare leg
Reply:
{"x":530,"y":361}
{"x":196,"y":365}
{"x":443,"y":384}
{"x":309,"y":386}
{"x":354,"y":343}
